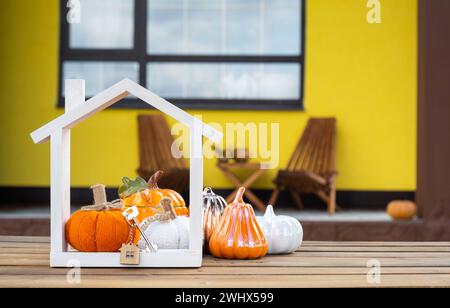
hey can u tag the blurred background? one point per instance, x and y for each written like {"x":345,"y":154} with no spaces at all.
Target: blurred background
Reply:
{"x":261,"y":61}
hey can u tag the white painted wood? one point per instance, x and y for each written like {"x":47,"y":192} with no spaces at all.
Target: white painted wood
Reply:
{"x":65,"y":182}
{"x":59,"y":132}
{"x":159,"y":103}
{"x":164,"y":106}
{"x":164,"y":258}
{"x":112,"y":95}
{"x":60,"y":202}
{"x":57,"y":192}
{"x":196,"y":188}
{"x":74,"y":93}
{"x":81,"y":112}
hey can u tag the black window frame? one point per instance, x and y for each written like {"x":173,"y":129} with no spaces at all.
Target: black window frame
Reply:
{"x":139,"y":54}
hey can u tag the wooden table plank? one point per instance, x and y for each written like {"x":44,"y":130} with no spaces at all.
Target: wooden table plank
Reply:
{"x":270,"y":261}
{"x":227,"y":281}
{"x":5,"y":246}
{"x":25,"y":239}
{"x":5,"y":251}
{"x":374,"y":249}
{"x":24,"y":262}
{"x":381,"y":244}
{"x":233,"y":271}
{"x":43,"y":239}
{"x":36,"y":248}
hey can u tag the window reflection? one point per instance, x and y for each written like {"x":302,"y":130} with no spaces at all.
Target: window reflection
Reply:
{"x":100,"y":75}
{"x":227,"y":81}
{"x":251,"y":27}
{"x":104,"y":26}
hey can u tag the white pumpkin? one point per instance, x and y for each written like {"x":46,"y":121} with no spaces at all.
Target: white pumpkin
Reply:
{"x":166,"y":230}
{"x":284,"y":234}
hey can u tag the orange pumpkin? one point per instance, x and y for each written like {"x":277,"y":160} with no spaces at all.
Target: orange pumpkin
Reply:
{"x":98,"y":228}
{"x":402,"y":209}
{"x":147,"y":197}
{"x":238,"y":234}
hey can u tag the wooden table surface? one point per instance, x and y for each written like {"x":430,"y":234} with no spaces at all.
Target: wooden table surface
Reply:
{"x":24,"y":262}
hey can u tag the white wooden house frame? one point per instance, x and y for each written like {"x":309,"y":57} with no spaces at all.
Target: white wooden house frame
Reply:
{"x":58,"y":132}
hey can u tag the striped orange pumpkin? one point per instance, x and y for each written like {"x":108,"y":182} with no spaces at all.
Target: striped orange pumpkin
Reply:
{"x":148,"y":198}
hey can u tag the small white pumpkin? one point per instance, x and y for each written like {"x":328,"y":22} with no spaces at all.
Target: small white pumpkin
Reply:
{"x":284,"y":234}
{"x":166,"y":230}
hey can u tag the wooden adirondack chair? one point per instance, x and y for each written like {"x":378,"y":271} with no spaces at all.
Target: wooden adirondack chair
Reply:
{"x":311,"y":168}
{"x":155,"y":142}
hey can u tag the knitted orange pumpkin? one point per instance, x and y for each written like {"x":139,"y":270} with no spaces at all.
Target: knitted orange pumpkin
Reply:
{"x":402,"y":209}
{"x":147,"y":196}
{"x":98,"y":228}
{"x":238,"y":235}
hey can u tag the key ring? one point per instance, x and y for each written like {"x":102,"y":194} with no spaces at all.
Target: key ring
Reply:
{"x":130,"y":215}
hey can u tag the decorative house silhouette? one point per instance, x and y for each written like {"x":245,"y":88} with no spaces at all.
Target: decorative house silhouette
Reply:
{"x":58,"y":132}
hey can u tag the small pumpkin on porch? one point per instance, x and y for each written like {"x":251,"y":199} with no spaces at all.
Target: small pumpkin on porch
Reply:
{"x":402,"y":209}
{"x":100,"y":227}
{"x":238,"y":234}
{"x":284,"y":234}
{"x":147,"y":196}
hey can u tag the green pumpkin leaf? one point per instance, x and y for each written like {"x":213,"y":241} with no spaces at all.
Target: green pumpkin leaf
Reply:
{"x":130,"y":187}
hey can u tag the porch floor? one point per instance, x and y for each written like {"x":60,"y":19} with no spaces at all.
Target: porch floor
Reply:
{"x":24,"y":262}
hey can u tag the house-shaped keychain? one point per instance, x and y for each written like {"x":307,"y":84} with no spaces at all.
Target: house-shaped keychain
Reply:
{"x":129,"y":254}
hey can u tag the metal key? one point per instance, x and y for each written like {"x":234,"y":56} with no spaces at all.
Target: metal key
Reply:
{"x":130,"y":215}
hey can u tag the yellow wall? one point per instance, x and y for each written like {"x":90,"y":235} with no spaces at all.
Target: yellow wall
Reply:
{"x":363,"y":74}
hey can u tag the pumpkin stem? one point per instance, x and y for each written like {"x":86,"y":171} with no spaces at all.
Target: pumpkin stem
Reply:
{"x":153,"y":181}
{"x":269,"y":214}
{"x":99,"y":193}
{"x":207,"y":191}
{"x":239,"y":195}
{"x":168,"y":210}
